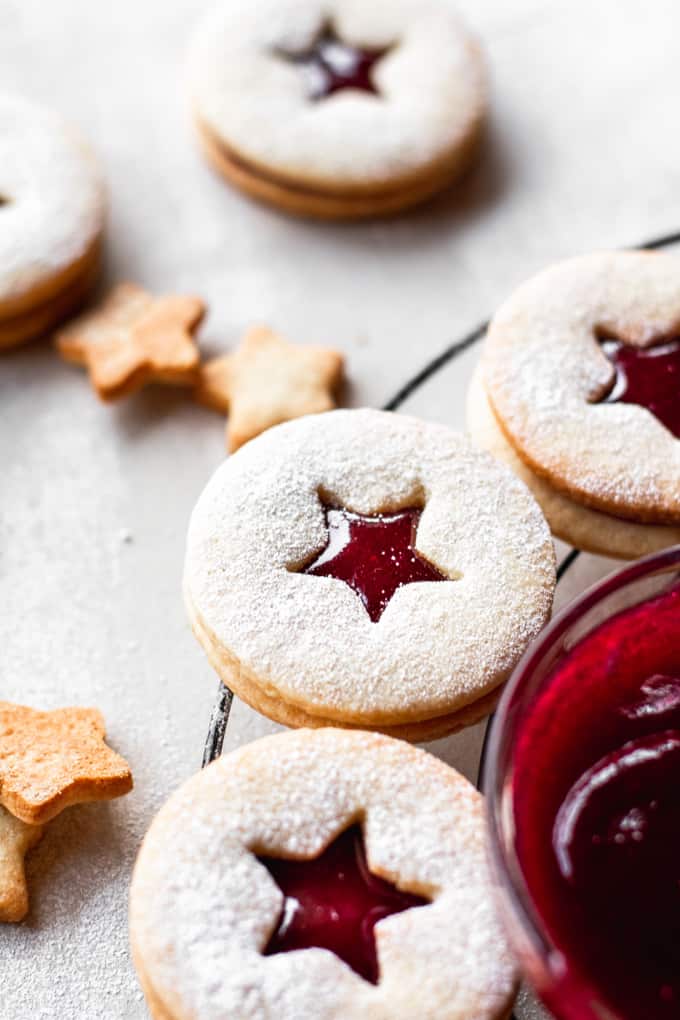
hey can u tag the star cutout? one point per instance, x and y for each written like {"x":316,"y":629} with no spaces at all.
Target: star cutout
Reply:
{"x":49,"y":760}
{"x":375,"y":556}
{"x":16,"y":839}
{"x":330,"y":65}
{"x":647,"y":376}
{"x":132,"y":338}
{"x":334,"y":902}
{"x":268,"y":381}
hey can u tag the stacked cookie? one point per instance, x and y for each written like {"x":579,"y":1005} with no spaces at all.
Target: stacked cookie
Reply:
{"x":366,"y":569}
{"x":52,"y":211}
{"x":307,"y":875}
{"x":579,"y":391}
{"x":338,"y":109}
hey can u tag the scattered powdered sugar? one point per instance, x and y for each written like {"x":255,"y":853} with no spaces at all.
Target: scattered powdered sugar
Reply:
{"x":53,"y":196}
{"x":309,"y":640}
{"x":431,"y":83}
{"x":544,"y":373}
{"x":203,"y":908}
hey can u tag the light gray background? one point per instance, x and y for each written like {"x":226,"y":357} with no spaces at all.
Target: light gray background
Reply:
{"x":584,"y":152}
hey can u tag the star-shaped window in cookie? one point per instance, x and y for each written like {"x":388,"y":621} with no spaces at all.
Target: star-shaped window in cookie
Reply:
{"x":330,"y":64}
{"x":268,"y":381}
{"x":375,"y":555}
{"x":647,"y":376}
{"x":132,"y":338}
{"x":334,"y":902}
{"x":50,"y":760}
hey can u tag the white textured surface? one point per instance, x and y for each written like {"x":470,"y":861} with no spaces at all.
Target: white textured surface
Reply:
{"x":581,"y":157}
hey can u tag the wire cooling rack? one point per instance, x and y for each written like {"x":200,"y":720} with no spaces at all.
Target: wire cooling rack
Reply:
{"x":219,"y":718}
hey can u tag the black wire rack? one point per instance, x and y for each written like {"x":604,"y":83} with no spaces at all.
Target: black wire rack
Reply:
{"x":219,"y":718}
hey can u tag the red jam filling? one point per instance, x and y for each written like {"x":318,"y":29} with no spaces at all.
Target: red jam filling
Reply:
{"x":373,"y":555}
{"x":647,"y":376}
{"x":597,"y":811}
{"x":334,"y":902}
{"x":331,"y":65}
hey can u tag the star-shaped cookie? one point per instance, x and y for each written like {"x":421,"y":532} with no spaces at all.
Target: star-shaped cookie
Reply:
{"x":49,"y":760}
{"x":132,"y":338}
{"x":16,"y":839}
{"x":268,"y":381}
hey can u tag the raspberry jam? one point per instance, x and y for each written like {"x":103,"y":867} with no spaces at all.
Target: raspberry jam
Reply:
{"x":648,"y":376}
{"x":596,"y":787}
{"x":331,"y":65}
{"x":373,"y":555}
{"x":334,"y":902}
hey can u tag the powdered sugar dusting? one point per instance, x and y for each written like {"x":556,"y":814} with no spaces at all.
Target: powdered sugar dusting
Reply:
{"x":432,"y":89}
{"x":575,"y":523}
{"x":203,"y":908}
{"x":309,"y":640}
{"x":53,"y":196}
{"x":544,"y":372}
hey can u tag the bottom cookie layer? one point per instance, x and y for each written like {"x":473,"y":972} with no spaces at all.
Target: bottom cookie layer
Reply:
{"x":45,"y":316}
{"x":590,"y":530}
{"x":295,"y":717}
{"x":316,"y":204}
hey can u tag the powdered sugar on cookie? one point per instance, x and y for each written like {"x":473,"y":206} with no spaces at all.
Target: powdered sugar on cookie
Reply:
{"x":203,"y":907}
{"x":52,"y":197}
{"x":545,"y":373}
{"x":431,"y":85}
{"x":574,"y":523}
{"x":309,"y":640}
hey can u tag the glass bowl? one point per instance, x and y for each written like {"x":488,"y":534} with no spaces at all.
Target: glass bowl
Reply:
{"x":568,"y":995}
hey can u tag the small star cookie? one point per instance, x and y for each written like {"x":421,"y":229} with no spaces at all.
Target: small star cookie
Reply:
{"x":49,"y":760}
{"x":268,"y":381}
{"x":132,"y":338}
{"x":16,"y":839}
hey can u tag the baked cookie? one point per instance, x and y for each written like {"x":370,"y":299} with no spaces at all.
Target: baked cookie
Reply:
{"x":582,"y":367}
{"x":587,"y":529}
{"x":268,"y":381}
{"x":16,"y":839}
{"x":367,"y":569}
{"x":339,"y":109}
{"x":52,"y":212}
{"x":320,"y":874}
{"x":131,"y":338}
{"x":50,"y":760}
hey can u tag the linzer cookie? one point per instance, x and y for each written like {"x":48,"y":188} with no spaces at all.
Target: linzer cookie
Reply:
{"x":52,"y":211}
{"x":593,"y":530}
{"x":367,"y":569}
{"x":320,"y":874}
{"x":48,"y":761}
{"x":580,"y":377}
{"x":132,"y":338}
{"x":338,"y":110}
{"x":268,"y":381}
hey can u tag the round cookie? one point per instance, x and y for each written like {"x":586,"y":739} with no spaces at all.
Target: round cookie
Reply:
{"x":554,"y":384}
{"x":337,"y":110}
{"x":291,"y":632}
{"x":228,"y":871}
{"x":52,"y":211}
{"x":583,"y":528}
